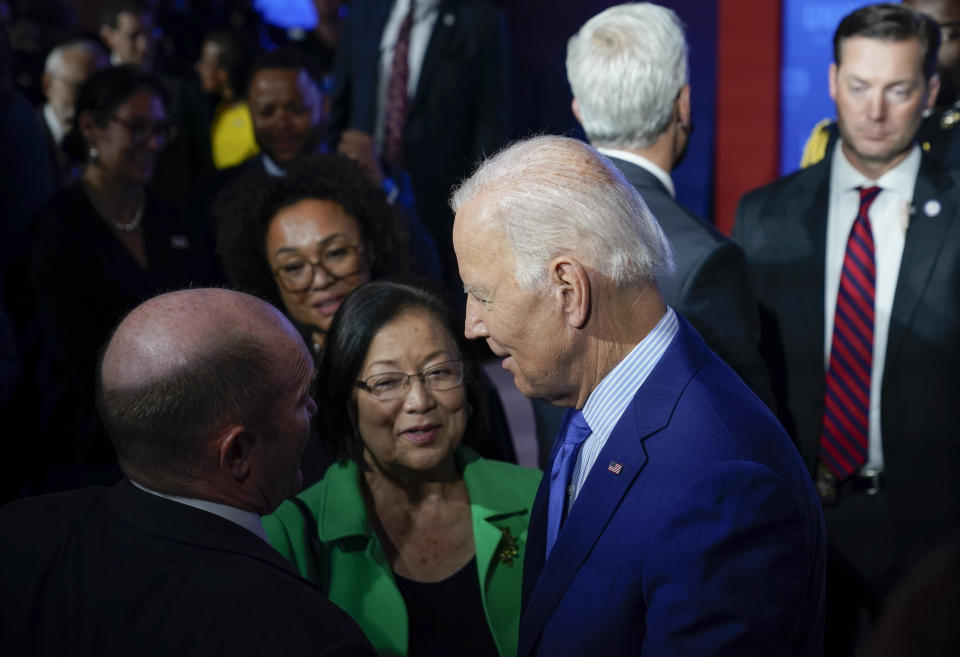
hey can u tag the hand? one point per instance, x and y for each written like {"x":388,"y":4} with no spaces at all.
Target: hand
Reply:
{"x":359,"y":146}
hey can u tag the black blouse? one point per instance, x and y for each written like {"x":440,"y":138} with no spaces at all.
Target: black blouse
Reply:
{"x":447,"y":618}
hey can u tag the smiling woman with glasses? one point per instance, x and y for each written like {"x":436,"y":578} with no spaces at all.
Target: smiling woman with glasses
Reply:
{"x":419,"y":539}
{"x":104,"y":245}
{"x":306,"y":240}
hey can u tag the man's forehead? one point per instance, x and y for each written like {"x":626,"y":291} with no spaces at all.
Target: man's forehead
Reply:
{"x":285,"y":80}
{"x":880,"y":56}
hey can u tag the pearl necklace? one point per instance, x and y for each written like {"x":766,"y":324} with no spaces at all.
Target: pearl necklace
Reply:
{"x":132,"y":225}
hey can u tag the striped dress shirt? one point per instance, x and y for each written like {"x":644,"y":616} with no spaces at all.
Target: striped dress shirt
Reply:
{"x":610,"y":399}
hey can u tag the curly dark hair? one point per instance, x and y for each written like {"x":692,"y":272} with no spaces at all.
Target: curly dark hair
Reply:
{"x":245,"y":209}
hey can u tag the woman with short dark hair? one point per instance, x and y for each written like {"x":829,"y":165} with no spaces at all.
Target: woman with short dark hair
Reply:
{"x":418,"y":538}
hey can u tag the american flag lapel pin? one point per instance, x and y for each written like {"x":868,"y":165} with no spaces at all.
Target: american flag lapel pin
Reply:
{"x":615,"y":467}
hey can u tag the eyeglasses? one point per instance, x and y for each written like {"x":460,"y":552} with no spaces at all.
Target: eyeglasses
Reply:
{"x":338,"y":261}
{"x":393,"y":385}
{"x":142,"y":130}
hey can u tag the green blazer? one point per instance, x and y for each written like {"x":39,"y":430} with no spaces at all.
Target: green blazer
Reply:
{"x":352,"y":567}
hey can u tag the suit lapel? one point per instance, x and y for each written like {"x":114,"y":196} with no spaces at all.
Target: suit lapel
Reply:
{"x":922,"y":247}
{"x":443,"y":30}
{"x":808,"y":279}
{"x":602,"y":492}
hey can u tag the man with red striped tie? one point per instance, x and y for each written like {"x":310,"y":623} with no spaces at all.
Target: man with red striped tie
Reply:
{"x":856,"y":266}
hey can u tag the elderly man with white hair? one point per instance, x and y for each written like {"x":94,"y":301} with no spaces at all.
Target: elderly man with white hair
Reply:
{"x":677,"y":517}
{"x":627,"y":68}
{"x":66,"y":68}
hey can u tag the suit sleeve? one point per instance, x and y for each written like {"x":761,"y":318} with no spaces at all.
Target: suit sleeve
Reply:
{"x":727,"y":572}
{"x":718,"y":300}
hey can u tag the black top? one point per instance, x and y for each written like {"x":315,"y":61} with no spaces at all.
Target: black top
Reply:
{"x":84,"y":282}
{"x":447,"y":618}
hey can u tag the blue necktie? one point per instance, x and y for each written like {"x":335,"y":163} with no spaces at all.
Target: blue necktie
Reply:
{"x":576,"y":432}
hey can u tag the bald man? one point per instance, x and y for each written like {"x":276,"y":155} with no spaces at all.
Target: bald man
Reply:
{"x":205,"y":394}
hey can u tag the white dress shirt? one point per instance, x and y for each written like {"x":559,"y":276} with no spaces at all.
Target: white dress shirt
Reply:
{"x":643,"y":163}
{"x":607,"y":403}
{"x":889,"y":216}
{"x":421,"y":29}
{"x":246,"y":519}
{"x":53,"y":123}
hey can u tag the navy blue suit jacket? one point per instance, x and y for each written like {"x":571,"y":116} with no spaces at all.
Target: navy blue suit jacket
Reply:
{"x":710,"y":541}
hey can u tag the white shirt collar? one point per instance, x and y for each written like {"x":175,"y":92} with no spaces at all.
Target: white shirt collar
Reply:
{"x":56,"y":129}
{"x":246,"y":519}
{"x":643,"y":163}
{"x":271,"y":167}
{"x":901,"y":179}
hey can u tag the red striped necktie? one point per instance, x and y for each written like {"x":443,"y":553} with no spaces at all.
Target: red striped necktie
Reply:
{"x":396,"y":110}
{"x":846,"y":416}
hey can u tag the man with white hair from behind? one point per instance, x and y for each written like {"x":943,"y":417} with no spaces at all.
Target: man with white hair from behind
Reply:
{"x":627,"y":68}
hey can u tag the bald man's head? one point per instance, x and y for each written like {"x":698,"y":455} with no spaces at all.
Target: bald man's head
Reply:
{"x":184,"y":368}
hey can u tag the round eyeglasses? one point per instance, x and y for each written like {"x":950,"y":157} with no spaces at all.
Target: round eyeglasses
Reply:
{"x":338,"y":261}
{"x":393,"y":385}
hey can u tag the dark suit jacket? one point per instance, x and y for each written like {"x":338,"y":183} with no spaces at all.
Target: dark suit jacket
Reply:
{"x":710,"y":540}
{"x":782,"y":228}
{"x":710,"y":286}
{"x":119,"y":571}
{"x":460,"y":111}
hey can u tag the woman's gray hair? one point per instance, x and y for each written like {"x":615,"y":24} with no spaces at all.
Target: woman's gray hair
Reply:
{"x":626,"y":67}
{"x":555,"y":195}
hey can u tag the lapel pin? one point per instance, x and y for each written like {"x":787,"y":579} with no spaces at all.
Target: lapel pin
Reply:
{"x":449,"y":20}
{"x":931,"y":208}
{"x":615,"y":467}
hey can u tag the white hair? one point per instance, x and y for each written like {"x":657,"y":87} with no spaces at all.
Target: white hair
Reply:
{"x":626,"y":66}
{"x":555,"y":195}
{"x":89,"y":47}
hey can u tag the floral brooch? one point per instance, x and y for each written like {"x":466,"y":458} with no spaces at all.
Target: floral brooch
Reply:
{"x":509,"y":550}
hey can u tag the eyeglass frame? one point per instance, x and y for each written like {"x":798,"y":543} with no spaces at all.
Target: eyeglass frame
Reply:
{"x":170,"y":129}
{"x":357,"y":248}
{"x":408,"y":380}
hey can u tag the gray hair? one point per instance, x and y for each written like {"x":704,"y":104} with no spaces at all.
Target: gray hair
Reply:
{"x":626,"y":67}
{"x":553,"y":195}
{"x":89,"y":47}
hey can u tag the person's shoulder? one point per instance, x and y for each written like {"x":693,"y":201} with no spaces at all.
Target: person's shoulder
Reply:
{"x":797,"y":182}
{"x":31,"y":526}
{"x":819,"y":143}
{"x":482,"y":472}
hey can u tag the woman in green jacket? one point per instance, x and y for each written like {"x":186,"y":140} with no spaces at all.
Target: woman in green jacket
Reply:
{"x":419,"y":539}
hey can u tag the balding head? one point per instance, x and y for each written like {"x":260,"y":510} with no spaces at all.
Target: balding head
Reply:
{"x":187,"y":369}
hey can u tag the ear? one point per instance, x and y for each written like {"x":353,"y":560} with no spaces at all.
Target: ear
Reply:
{"x":223,"y":80}
{"x":832,"y":81}
{"x":86,"y":124}
{"x":572,"y":284}
{"x":683,"y":105}
{"x":933,"y":88}
{"x":234,"y":448}
{"x":106,"y":34}
{"x":45,"y":83}
{"x":575,"y":106}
